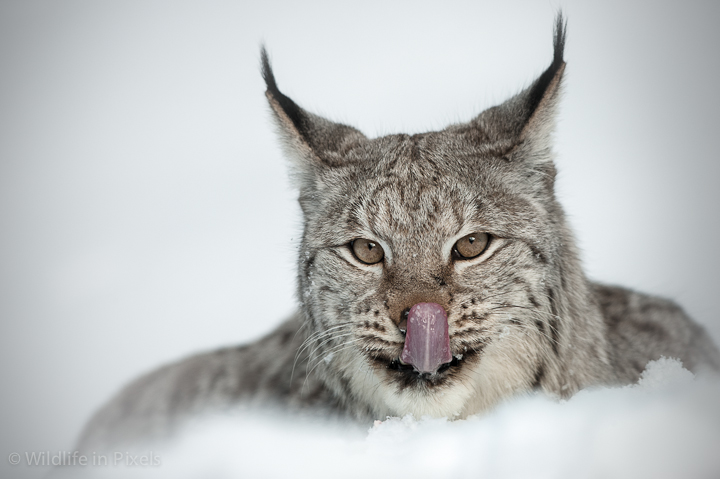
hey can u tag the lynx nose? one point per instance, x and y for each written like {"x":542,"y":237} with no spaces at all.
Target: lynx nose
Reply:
{"x":427,"y":343}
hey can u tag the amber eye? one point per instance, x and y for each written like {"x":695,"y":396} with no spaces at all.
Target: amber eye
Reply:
{"x":367,"y":251}
{"x":471,"y":245}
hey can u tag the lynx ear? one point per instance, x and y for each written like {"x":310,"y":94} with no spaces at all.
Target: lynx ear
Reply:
{"x":311,"y":141}
{"x":522,"y":126}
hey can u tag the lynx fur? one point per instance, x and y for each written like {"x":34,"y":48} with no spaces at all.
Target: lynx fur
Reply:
{"x":521,"y":316}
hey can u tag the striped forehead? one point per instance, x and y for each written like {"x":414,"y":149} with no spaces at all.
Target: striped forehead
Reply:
{"x":408,"y":210}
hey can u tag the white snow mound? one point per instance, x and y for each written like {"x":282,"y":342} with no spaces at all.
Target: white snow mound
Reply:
{"x":666,"y":426}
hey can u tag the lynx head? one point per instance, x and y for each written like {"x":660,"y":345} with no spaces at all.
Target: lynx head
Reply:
{"x":436,"y":273}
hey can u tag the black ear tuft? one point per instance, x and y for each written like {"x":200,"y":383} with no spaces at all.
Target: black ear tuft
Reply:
{"x":290,"y":108}
{"x":267,"y":73}
{"x":559,"y":39}
{"x":539,"y":88}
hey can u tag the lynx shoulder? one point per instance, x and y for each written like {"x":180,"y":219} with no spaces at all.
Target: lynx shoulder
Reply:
{"x":436,"y":276}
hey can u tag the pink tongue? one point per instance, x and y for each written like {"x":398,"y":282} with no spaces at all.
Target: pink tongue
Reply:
{"x":427,"y":344}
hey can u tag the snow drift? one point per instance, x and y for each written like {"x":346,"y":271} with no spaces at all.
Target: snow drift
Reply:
{"x":666,"y":426}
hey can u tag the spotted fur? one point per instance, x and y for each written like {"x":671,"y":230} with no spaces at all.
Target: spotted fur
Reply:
{"x":522,"y":316}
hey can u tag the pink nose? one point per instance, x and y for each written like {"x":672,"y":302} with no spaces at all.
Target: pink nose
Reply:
{"x":427,"y":344}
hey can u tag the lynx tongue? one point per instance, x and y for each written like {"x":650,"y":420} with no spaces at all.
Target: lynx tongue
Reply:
{"x":427,"y":344}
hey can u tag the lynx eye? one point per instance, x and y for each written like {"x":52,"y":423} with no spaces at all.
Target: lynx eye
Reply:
{"x":471,"y":245}
{"x":367,"y":251}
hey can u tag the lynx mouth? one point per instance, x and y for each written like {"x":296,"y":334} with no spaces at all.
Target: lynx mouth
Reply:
{"x":408,"y":369}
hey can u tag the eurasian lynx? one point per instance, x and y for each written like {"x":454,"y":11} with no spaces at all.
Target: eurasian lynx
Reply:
{"x":436,"y":276}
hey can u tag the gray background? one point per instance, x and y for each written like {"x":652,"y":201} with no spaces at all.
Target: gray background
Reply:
{"x":145,"y":211}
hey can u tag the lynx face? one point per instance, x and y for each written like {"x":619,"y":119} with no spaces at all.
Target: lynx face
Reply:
{"x":416,"y":197}
{"x":464,"y":220}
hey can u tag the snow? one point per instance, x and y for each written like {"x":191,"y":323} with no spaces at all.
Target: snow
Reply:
{"x":666,"y":426}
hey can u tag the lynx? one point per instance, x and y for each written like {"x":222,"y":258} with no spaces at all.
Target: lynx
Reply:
{"x":437,"y":276}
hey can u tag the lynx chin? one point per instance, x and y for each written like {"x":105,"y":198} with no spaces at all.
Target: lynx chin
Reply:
{"x":436,"y":276}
